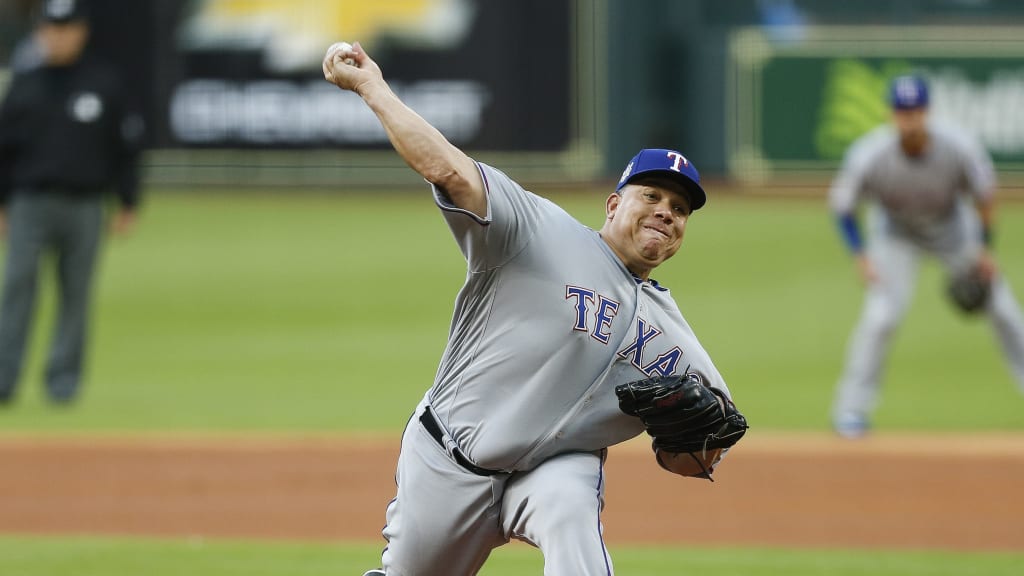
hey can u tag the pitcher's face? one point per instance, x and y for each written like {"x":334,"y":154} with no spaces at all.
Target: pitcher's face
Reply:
{"x":645,"y":223}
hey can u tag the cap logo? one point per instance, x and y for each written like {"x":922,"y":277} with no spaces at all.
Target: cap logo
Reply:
{"x":906,"y":90}
{"x":678,"y":160}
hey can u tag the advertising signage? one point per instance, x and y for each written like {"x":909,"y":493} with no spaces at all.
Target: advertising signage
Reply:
{"x":248,"y":74}
{"x":797,"y":105}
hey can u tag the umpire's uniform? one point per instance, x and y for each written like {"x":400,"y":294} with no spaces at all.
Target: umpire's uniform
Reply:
{"x":65,"y":139}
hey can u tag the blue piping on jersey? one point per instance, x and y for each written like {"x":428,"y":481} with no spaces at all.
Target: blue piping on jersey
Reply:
{"x":444,"y":201}
{"x":653,"y":282}
{"x":600,"y":533}
{"x":851,"y":232}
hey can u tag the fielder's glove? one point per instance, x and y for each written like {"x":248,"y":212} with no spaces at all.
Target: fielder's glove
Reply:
{"x":684,"y":415}
{"x":969,"y":290}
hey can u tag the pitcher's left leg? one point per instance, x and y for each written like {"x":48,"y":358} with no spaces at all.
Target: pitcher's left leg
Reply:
{"x":557,"y":508}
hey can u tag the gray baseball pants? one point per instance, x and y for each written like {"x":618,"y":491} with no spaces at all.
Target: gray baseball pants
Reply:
{"x":445,"y":520}
{"x":886,"y":302}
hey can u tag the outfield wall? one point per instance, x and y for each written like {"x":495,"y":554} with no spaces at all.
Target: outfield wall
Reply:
{"x":563,"y":91}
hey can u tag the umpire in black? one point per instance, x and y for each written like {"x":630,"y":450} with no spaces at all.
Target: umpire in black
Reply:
{"x":66,"y":139}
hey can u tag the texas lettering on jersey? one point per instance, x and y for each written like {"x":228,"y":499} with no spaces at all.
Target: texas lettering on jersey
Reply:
{"x":590,"y":305}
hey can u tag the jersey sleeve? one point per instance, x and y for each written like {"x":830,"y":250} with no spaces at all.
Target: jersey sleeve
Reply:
{"x":127,"y":130}
{"x":979,"y":171}
{"x":848,"y":185}
{"x":513,"y":215}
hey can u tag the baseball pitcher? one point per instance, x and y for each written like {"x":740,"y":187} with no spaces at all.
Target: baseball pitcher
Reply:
{"x":560,"y":346}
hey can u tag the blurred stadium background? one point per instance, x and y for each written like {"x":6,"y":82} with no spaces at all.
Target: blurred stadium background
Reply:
{"x":762,"y":92}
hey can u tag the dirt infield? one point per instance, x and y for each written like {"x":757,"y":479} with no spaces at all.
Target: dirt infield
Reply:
{"x":893,"y":491}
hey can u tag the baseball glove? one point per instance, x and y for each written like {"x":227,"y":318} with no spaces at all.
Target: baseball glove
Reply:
{"x":682,"y":414}
{"x":969,"y":290}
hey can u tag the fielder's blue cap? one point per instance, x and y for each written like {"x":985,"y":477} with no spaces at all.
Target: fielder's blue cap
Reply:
{"x":908,"y":92}
{"x":669,"y":163}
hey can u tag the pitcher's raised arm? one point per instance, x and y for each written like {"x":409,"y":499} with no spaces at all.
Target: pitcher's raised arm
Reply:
{"x":421,"y":145}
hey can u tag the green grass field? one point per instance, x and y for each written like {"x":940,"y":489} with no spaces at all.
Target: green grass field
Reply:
{"x":234,"y":312}
{"x":296,"y":312}
{"x":181,"y":557}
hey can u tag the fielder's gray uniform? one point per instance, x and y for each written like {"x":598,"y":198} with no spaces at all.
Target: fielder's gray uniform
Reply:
{"x":918,"y":205}
{"x":548,"y":322}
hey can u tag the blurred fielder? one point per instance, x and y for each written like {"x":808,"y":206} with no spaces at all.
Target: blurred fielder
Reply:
{"x":930,"y":190}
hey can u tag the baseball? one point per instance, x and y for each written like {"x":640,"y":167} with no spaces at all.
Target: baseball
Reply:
{"x":342,"y":47}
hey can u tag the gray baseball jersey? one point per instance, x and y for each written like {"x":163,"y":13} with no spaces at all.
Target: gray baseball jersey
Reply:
{"x":921,"y":196}
{"x":548,"y":322}
{"x":920,"y":205}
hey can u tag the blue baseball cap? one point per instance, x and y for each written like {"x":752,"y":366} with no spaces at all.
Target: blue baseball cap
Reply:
{"x":908,"y":92}
{"x":662,"y":162}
